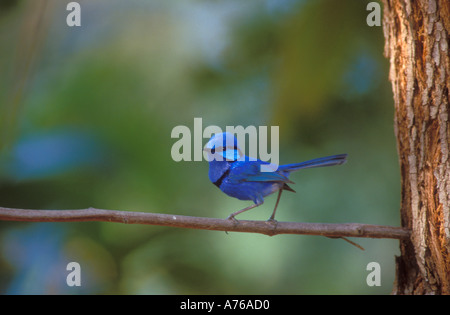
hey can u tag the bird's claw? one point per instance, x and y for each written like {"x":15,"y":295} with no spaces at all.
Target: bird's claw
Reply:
{"x":273,"y":222}
{"x":231,"y":217}
{"x":272,"y":219}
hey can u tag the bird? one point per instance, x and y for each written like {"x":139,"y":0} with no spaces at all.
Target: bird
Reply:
{"x":241,"y":177}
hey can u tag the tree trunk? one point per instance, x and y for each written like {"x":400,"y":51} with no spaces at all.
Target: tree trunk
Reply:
{"x":417,"y":40}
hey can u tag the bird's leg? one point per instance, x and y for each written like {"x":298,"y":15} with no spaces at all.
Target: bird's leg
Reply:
{"x":232,"y":216}
{"x":272,"y":217}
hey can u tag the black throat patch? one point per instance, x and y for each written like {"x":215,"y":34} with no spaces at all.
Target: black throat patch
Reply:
{"x":220,"y":180}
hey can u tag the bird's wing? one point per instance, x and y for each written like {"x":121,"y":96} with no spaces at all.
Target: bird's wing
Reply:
{"x":251,"y":172}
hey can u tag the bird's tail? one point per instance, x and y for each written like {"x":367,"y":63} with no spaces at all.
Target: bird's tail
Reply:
{"x":319,"y":162}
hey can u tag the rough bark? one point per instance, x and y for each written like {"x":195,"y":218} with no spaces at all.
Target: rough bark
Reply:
{"x":417,"y":40}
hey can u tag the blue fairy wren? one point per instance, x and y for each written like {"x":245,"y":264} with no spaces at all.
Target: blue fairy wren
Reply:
{"x":241,"y":177}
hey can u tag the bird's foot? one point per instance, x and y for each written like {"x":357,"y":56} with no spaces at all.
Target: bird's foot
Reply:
{"x":272,"y":219}
{"x":231,"y":217}
{"x":274,"y":224}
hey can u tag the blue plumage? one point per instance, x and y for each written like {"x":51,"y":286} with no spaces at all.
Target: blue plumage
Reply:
{"x":241,"y":177}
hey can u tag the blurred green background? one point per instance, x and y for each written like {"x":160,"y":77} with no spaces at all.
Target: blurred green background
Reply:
{"x":86,"y":115}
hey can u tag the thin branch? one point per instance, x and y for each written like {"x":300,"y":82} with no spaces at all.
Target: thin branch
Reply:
{"x":263,"y":227}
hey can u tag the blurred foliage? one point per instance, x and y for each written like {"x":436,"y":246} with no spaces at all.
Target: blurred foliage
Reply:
{"x":86,"y":115}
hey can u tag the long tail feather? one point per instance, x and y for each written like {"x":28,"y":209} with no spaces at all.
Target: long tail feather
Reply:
{"x":319,"y":162}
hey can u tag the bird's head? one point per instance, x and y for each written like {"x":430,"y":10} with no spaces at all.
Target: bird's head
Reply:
{"x":223,"y":147}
